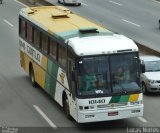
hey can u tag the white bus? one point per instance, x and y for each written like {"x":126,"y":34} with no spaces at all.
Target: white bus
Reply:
{"x":93,"y":73}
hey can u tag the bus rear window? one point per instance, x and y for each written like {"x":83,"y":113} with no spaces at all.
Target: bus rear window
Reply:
{"x":22,"y":28}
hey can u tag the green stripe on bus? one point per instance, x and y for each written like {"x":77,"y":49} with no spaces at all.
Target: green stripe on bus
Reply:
{"x":124,"y":98}
{"x":115,"y":99}
{"x":51,"y":78}
{"x":67,"y":34}
{"x":75,"y":33}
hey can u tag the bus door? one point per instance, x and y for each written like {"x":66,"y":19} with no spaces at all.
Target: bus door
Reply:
{"x":72,"y":85}
{"x":71,"y":77}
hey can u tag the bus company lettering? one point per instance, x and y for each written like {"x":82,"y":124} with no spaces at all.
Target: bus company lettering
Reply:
{"x":62,"y":76}
{"x":22,"y":45}
{"x":33,"y":53}
{"x":30,"y":51}
{"x":96,"y":101}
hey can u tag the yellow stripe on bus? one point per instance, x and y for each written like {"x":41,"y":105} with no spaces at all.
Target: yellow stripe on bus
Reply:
{"x":133,"y":98}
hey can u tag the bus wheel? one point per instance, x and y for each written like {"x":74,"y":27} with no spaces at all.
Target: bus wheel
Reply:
{"x":32,"y":77}
{"x":66,"y":107}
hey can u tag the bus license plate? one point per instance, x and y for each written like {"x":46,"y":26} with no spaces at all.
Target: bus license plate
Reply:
{"x":112,"y":113}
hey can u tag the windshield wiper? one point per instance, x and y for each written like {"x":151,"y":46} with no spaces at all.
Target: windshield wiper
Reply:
{"x":121,"y":88}
{"x":124,"y":90}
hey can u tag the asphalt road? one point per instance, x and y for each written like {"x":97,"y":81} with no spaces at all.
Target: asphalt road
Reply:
{"x":21,"y":105}
{"x":136,"y":19}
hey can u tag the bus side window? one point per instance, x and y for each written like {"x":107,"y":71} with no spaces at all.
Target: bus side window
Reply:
{"x":44,"y":43}
{"x":62,"y":56}
{"x":29,"y":33}
{"x":52,"y":49}
{"x":22,"y":28}
{"x":36,"y":38}
{"x":71,"y":66}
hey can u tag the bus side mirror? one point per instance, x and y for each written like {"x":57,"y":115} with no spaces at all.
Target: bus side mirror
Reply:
{"x":143,"y":68}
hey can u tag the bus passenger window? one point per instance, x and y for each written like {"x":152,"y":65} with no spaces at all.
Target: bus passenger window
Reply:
{"x":37,"y":38}
{"x":22,"y":27}
{"x":44,"y":43}
{"x":29,"y":33}
{"x":62,"y":56}
{"x":52,"y":49}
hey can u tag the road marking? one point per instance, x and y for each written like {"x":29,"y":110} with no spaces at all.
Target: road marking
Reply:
{"x":113,"y":2}
{"x":7,"y":22}
{"x":44,"y":116}
{"x":21,"y":3}
{"x":84,"y":4}
{"x":131,"y":23}
{"x":142,"y":119}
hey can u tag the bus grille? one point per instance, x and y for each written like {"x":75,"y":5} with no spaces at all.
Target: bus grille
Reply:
{"x":111,"y":105}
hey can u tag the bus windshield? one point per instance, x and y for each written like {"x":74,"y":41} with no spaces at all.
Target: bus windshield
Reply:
{"x":101,"y":75}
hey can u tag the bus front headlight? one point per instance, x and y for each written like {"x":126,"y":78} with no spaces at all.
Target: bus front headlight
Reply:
{"x":136,"y":103}
{"x":86,"y":107}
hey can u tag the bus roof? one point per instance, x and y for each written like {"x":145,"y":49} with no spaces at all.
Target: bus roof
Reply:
{"x":96,"y":45}
{"x":84,"y":36}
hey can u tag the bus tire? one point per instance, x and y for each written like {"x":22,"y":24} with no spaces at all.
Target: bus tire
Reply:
{"x":32,"y":76}
{"x":66,"y":107}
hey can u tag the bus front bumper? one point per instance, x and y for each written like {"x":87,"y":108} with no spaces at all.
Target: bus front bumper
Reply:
{"x":110,"y":114}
